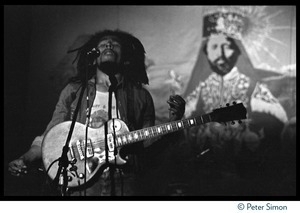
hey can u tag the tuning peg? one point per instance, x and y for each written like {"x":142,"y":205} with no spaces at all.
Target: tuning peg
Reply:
{"x":234,"y":103}
{"x":227,"y":104}
{"x":232,"y":122}
{"x":225,"y":124}
{"x":240,"y":122}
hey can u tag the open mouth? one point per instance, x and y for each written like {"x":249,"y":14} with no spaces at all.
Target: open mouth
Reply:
{"x":108,"y":55}
{"x":108,"y":52}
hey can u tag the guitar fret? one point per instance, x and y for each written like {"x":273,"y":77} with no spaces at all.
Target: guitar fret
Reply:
{"x":136,"y":136}
{"x":159,"y":130}
{"x":163,"y":129}
{"x":118,"y":141}
{"x":205,"y":118}
{"x":169,"y":127}
{"x":154,"y":131}
{"x":133,"y":137}
{"x":139,"y":134}
{"x":192,"y":122}
{"x":166,"y":128}
{"x":150,"y":132}
{"x":185,"y":123}
{"x":174,"y":126}
{"x":179,"y":124}
{"x":124,"y":139}
{"x":143,"y":134}
{"x":146,"y":133}
{"x":129,"y":137}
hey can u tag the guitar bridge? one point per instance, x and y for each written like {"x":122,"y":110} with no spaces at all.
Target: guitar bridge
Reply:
{"x":80,"y":144}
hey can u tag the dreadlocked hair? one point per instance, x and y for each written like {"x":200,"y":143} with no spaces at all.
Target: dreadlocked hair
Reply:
{"x":132,"y":60}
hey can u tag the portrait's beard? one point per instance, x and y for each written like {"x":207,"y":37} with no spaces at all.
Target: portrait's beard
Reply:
{"x":221,"y":69}
{"x":225,"y":66}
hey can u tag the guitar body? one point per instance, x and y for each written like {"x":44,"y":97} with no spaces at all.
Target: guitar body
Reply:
{"x":94,"y":150}
{"x":55,"y":140}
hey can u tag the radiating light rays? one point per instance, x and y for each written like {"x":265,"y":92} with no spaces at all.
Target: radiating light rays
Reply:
{"x":260,"y":34}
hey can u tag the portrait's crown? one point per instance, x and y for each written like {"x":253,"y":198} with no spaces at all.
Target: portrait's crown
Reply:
{"x":230,"y":23}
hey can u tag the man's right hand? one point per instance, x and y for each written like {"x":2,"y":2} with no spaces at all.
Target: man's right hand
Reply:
{"x":17,"y":167}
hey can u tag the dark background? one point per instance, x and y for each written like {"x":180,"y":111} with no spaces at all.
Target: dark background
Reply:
{"x":17,"y":132}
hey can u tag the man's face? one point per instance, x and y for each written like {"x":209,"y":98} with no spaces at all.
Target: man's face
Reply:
{"x":110,"y":50}
{"x":221,"y":54}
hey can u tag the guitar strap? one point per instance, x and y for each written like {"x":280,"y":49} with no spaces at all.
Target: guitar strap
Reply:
{"x":130,"y":108}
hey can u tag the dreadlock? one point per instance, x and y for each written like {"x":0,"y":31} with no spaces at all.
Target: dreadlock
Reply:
{"x":132,"y":60}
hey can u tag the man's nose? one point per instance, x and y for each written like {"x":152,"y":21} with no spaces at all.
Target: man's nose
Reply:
{"x":218,"y":52}
{"x":109,"y":45}
{"x":222,"y":50}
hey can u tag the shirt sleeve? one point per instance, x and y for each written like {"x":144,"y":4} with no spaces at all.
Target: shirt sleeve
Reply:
{"x":60,"y":114}
{"x":149,"y":115}
{"x":262,"y":100}
{"x":149,"y":118}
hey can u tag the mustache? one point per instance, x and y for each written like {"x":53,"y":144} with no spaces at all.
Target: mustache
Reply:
{"x":224,"y":59}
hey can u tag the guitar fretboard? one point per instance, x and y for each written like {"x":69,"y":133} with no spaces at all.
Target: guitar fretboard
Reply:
{"x":160,"y":130}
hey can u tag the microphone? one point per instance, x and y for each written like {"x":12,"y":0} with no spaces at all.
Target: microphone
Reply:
{"x":93,"y":54}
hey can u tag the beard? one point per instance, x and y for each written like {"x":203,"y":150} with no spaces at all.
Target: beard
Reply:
{"x":110,"y":68}
{"x":225,"y":66}
{"x":221,"y":69}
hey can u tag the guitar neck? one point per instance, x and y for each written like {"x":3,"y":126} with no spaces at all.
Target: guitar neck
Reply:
{"x":159,"y":130}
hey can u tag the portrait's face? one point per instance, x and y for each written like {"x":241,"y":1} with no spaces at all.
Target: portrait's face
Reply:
{"x":221,"y":53}
{"x":110,"y":50}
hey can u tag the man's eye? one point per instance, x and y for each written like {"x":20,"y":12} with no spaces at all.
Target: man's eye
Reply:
{"x":214,"y":46}
{"x":226,"y":46}
{"x":116,"y":44}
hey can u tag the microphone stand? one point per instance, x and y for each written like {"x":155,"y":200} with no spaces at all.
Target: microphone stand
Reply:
{"x":111,"y":90}
{"x":63,"y":160}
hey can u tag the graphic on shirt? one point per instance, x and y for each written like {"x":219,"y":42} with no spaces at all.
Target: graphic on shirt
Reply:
{"x":98,"y":118}
{"x":99,"y":113}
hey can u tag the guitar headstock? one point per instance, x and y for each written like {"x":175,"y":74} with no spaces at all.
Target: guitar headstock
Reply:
{"x":229,"y":113}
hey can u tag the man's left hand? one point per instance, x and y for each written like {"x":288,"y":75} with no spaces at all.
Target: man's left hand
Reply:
{"x":177,"y":107}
